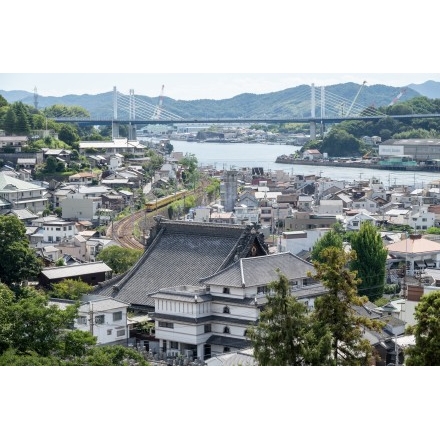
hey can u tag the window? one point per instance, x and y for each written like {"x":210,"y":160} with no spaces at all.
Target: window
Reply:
{"x":208,"y":328}
{"x":99,"y":319}
{"x":226,"y":290}
{"x":226,"y":309}
{"x":166,"y":324}
{"x":174,"y":345}
{"x":226,"y":330}
{"x":117,"y":316}
{"x":226,"y":349}
{"x":82,"y":320}
{"x":262,"y":289}
{"x":109,"y":332}
{"x":120,"y":333}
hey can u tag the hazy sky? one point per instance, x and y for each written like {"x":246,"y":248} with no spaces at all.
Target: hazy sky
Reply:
{"x":190,"y":86}
{"x":198,"y":44}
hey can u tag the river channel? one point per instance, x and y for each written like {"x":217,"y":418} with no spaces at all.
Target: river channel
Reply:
{"x":241,"y":155}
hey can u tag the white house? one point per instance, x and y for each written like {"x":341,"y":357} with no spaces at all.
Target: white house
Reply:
{"x":246,"y":214}
{"x":20,"y":194}
{"x":298,"y":241}
{"x":353,"y":223}
{"x":205,"y":322}
{"x":333,"y":207}
{"x":105,"y":318}
{"x":56,"y":231}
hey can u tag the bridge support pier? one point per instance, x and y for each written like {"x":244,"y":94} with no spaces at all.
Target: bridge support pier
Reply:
{"x":131,"y":132}
{"x":115,"y":129}
{"x":312,"y":131}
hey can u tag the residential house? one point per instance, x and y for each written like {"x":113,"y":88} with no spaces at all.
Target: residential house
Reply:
{"x":104,"y":318}
{"x":366,"y":204}
{"x":90,"y":273}
{"x":57,"y":231}
{"x":416,"y":252}
{"x":329,"y":207}
{"x":246,"y":214}
{"x":299,"y":221}
{"x":83,"y":178}
{"x":297,"y":242}
{"x":354,"y":222}
{"x":12,"y":144}
{"x":60,"y":155}
{"x":19,"y":194}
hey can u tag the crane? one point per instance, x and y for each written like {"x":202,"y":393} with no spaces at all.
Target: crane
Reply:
{"x":356,"y":97}
{"x":402,"y":92}
{"x":158,"y":109}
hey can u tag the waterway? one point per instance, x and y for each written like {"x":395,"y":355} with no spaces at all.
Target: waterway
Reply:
{"x":243,"y":155}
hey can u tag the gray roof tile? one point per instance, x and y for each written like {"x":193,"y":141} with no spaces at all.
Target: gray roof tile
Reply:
{"x":181,"y":253}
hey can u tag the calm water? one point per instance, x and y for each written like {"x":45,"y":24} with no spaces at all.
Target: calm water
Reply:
{"x":240,"y":155}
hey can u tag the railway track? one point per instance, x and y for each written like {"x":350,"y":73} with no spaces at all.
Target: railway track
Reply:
{"x":132,"y":231}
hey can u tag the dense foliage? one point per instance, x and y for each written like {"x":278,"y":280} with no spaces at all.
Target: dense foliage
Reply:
{"x":119,"y":259}
{"x":286,"y":335}
{"x":336,"y":309}
{"x":18,"y":261}
{"x":370,"y":260}
{"x":426,"y":351}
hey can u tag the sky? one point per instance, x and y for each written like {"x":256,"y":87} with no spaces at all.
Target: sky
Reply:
{"x":201,"y":52}
{"x":192,"y":86}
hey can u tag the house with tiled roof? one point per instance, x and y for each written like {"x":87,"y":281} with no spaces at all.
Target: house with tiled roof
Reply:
{"x":181,"y":253}
{"x":19,"y":194}
{"x":104,"y":318}
{"x":211,"y":320}
{"x":90,"y":273}
{"x":418,"y":253}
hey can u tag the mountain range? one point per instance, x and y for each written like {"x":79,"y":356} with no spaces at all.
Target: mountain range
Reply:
{"x":291,"y":102}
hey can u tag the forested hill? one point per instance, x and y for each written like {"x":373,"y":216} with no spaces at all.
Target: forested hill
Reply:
{"x":292,"y":102}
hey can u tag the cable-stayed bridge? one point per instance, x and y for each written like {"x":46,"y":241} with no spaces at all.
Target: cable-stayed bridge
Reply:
{"x":308,"y":104}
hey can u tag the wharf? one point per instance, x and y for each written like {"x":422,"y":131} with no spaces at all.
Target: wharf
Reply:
{"x":354,"y":164}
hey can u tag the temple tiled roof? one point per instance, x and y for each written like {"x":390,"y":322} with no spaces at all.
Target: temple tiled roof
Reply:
{"x":262,"y":270}
{"x":182,"y":253}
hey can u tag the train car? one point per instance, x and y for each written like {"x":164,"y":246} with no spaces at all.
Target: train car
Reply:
{"x":152,"y":205}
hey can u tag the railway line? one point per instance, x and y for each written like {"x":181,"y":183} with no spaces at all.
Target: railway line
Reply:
{"x":126,"y":231}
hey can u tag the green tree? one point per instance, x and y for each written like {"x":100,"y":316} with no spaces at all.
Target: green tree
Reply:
{"x":18,"y":262}
{"x":336,"y":308}
{"x":51,"y":165}
{"x":10,"y":121}
{"x":23,"y":118}
{"x":69,"y":135}
{"x":6,"y":301}
{"x":37,"y":326}
{"x":3,"y":102}
{"x":70,"y":289}
{"x":285,"y":334}
{"x":76,"y":343}
{"x":339,"y":143}
{"x":115,"y":355}
{"x":329,"y":239}
{"x":12,"y":358}
{"x":118,"y":258}
{"x":426,"y":330}
{"x":370,"y":261}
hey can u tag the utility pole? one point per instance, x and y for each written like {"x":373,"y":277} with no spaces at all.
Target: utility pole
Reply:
{"x":91,"y":317}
